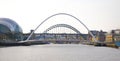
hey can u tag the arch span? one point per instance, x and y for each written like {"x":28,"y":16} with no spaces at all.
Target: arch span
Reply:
{"x":62,"y":25}
{"x":67,"y":15}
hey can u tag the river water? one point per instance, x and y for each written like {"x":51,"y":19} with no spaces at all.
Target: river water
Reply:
{"x":59,"y":52}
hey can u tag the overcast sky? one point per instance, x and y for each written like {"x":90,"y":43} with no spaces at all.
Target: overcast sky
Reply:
{"x":96,"y":14}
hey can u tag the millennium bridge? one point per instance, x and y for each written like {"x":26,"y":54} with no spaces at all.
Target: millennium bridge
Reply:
{"x":55,"y":36}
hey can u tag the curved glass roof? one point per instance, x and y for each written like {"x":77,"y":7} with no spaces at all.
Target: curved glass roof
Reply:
{"x":13,"y":26}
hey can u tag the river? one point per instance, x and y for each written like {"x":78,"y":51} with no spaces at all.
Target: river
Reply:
{"x":59,"y":52}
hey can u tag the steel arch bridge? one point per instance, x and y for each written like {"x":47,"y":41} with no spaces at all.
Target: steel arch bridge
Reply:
{"x":62,"y":25}
{"x":67,"y":15}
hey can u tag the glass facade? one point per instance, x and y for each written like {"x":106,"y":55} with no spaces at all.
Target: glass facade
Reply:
{"x":10,"y":30}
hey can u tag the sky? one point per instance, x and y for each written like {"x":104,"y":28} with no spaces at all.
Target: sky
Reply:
{"x":95,"y":14}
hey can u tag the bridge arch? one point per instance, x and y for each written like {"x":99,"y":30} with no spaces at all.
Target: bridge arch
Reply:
{"x":63,"y":14}
{"x":62,"y":25}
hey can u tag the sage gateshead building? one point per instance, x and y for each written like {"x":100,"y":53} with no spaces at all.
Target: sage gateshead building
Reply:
{"x":10,"y":31}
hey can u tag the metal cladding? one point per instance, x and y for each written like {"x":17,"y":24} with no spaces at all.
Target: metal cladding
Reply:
{"x":11,"y":25}
{"x":10,"y":30}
